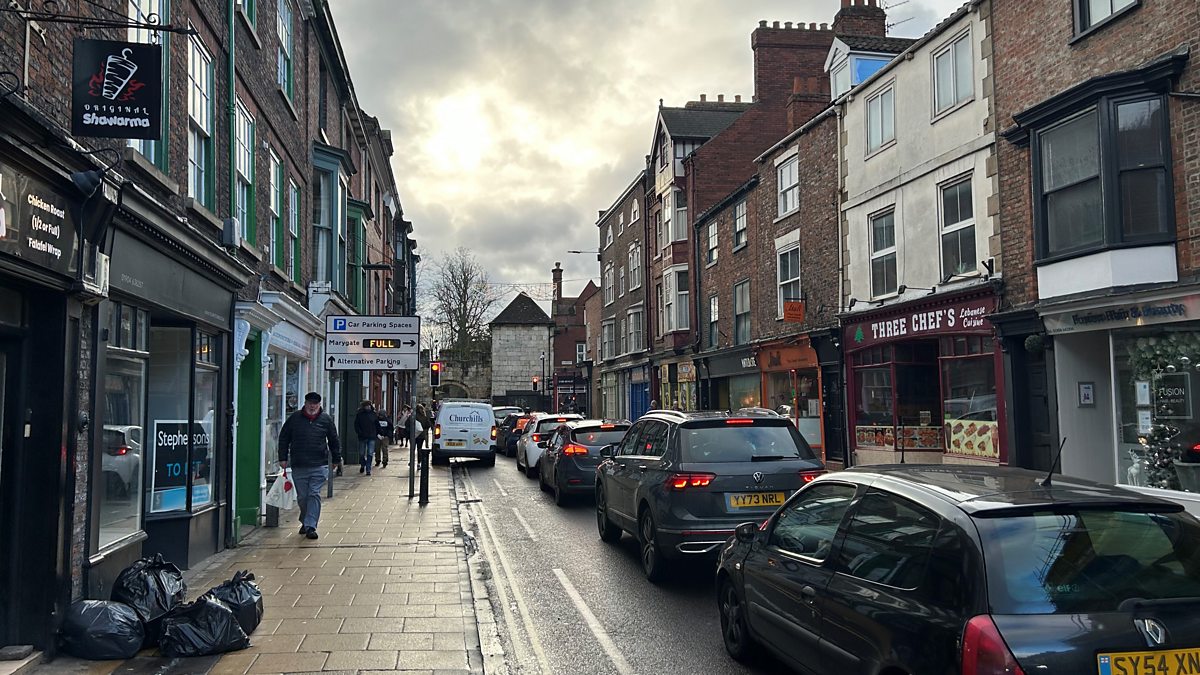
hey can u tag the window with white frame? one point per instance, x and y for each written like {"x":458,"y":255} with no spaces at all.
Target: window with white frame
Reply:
{"x":682,"y":308}
{"x":789,"y":277}
{"x":634,"y":213}
{"x":606,"y":340}
{"x":789,"y":185}
{"x":1092,"y":12}
{"x":883,"y":253}
{"x":635,"y":329}
{"x":580,"y":352}
{"x":200,"y":121}
{"x":952,"y":69}
{"x":679,"y":228}
{"x":668,"y":214}
{"x":958,"y":229}
{"x":140,"y":12}
{"x":621,"y":280}
{"x":659,"y":233}
{"x":609,"y":289}
{"x":713,"y":315}
{"x":840,"y":80}
{"x":277,"y":225}
{"x":741,"y":313}
{"x":285,"y":70}
{"x":621,"y":222}
{"x":293,"y":268}
{"x":711,"y":257}
{"x":660,"y":322}
{"x":608,"y":236}
{"x":740,"y":231}
{"x":881,"y":120}
{"x":245,"y":172}
{"x":669,"y":299}
{"x":622,"y":337}
{"x":635,"y":266}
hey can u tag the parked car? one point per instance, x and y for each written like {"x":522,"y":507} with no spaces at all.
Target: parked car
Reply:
{"x":569,"y":464}
{"x":502,"y":411}
{"x":680,"y":482}
{"x":122,"y":459}
{"x":534,"y":438}
{"x":946,"y":569}
{"x":464,"y":428}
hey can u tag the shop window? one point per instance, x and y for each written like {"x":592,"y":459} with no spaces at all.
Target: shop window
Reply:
{"x":207,"y":380}
{"x":796,"y":395}
{"x":875,"y":400}
{"x":744,"y":391}
{"x":883,"y":254}
{"x":118,"y":497}
{"x":958,"y":229}
{"x":1158,"y":444}
{"x":971,"y":424}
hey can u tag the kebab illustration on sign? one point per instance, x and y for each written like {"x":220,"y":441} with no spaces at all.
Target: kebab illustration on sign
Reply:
{"x":116,"y":82}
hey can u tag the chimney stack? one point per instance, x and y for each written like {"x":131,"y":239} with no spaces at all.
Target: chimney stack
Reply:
{"x":860,"y":17}
{"x":557,"y":274}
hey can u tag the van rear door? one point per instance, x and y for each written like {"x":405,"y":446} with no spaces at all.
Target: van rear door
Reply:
{"x":466,"y":428}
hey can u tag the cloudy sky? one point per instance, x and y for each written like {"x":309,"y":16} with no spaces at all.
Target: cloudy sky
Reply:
{"x":516,"y":121}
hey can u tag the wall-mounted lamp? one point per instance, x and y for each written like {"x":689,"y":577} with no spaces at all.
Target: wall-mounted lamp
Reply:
{"x":902,"y":288}
{"x":87,"y":182}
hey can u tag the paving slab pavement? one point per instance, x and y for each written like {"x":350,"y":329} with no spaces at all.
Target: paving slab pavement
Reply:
{"x":385,"y":588}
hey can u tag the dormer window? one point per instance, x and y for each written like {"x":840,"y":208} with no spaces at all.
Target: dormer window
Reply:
{"x":854,"y":70}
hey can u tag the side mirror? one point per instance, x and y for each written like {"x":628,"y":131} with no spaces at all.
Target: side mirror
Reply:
{"x":608,"y":451}
{"x":746,"y":532}
{"x":544,"y":444}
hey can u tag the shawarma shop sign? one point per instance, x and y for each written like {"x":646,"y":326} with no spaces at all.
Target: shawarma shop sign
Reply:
{"x":116,"y":89}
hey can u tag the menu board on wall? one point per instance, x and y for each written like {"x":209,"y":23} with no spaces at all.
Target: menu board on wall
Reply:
{"x":36,"y":223}
{"x":973,"y":438}
{"x":875,"y":438}
{"x":169,"y":480}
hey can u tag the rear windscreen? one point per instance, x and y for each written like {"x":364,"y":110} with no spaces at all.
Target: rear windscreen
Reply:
{"x":761,"y":441}
{"x":599,"y":436}
{"x":1088,"y":560}
{"x":549,"y":424}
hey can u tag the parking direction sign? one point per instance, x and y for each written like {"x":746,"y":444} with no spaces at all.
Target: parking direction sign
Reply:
{"x":372,"y":342}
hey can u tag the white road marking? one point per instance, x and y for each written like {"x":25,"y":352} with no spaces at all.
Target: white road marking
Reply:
{"x":503,"y":492}
{"x":524,"y":524}
{"x":490,"y":543}
{"x":594,"y":625}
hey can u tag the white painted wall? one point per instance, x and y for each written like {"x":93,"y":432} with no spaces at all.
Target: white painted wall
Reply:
{"x":927,"y":152}
{"x":1108,"y":269}
{"x":1090,"y":432}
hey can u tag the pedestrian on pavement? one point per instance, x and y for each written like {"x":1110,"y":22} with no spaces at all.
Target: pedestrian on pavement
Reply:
{"x":403,"y":428}
{"x":385,"y":439}
{"x":366,"y":426}
{"x":309,"y":441}
{"x":422,"y":426}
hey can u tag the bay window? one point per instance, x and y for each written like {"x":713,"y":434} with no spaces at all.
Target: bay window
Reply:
{"x":741,"y":313}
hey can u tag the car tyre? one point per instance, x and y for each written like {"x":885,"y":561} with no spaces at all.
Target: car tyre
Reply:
{"x":560,"y":497}
{"x":532,"y":471}
{"x":734,"y":630}
{"x":490,"y":460}
{"x":541,"y":476}
{"x":654,"y":566}
{"x":517,"y":461}
{"x":609,"y":532}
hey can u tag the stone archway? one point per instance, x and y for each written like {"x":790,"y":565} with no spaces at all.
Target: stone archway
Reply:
{"x":453,"y":389}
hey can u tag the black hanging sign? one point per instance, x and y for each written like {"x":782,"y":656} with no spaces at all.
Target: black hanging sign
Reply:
{"x":116,"y":90}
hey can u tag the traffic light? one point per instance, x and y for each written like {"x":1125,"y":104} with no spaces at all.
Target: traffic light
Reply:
{"x":536,"y":381}
{"x":435,"y":373}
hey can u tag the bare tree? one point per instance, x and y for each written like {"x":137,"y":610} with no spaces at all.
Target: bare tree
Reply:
{"x":460,"y":299}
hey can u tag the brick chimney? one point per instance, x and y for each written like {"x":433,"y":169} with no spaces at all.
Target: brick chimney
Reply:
{"x":782,"y":54}
{"x":557,"y":273}
{"x":810,"y":95}
{"x":861,"y":17}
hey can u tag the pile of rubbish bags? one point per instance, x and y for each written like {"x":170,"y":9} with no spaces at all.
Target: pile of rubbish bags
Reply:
{"x":148,"y":610}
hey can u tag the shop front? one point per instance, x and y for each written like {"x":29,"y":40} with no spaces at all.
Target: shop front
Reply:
{"x":625,"y":390}
{"x":791,"y":386}
{"x":732,"y":380}
{"x":924,"y":382}
{"x":677,"y":385}
{"x":1128,"y":376}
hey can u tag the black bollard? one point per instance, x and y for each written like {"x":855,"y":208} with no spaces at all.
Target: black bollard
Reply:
{"x":412,"y":469}
{"x":424,"y":498}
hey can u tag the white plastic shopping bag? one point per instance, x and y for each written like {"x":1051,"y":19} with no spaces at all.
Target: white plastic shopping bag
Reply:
{"x":282,"y":494}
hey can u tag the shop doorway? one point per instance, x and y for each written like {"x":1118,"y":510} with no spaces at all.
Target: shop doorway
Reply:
{"x":835,"y":414}
{"x":10,"y":439}
{"x":1041,"y":423}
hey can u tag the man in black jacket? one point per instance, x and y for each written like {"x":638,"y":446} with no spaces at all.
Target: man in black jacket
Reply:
{"x":309,"y":440}
{"x":366,"y":426}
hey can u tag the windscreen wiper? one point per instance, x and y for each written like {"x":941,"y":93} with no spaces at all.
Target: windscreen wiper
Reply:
{"x":769,"y":458}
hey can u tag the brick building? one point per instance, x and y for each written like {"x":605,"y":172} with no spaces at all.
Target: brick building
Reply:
{"x":566,"y":381}
{"x":1099,"y":208}
{"x":177,"y":274}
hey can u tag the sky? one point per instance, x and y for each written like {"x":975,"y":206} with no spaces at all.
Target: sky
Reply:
{"x":515,"y":122}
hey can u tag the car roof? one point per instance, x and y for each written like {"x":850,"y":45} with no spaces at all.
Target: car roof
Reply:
{"x":978,"y":490}
{"x":575,"y":424}
{"x":681,"y":416}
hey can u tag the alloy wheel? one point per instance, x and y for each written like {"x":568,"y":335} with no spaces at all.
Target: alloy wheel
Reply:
{"x":652,"y":562}
{"x":733,"y":623}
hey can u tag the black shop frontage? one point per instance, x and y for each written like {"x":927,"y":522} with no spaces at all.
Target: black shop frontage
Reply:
{"x":924,"y":381}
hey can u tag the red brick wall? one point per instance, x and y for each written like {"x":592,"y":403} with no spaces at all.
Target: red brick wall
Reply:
{"x":1036,"y":60}
{"x":860,"y":17}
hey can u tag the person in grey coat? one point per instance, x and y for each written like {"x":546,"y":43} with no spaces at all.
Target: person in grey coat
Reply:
{"x":308,"y":442}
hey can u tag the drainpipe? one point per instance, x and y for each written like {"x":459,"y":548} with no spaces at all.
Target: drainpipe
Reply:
{"x":231,"y":517}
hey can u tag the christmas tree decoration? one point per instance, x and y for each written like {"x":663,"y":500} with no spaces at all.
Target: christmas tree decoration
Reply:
{"x":1161,"y":451}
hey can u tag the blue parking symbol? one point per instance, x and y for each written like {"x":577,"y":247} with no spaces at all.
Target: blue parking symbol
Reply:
{"x":339,"y":324}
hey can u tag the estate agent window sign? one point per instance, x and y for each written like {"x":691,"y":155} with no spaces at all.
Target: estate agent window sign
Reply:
{"x":116,"y":90}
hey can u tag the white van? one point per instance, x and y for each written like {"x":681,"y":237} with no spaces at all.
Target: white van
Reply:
{"x":464,"y":429}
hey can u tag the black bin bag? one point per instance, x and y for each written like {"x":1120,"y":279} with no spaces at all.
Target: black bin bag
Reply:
{"x":102,"y":630}
{"x":244,"y":598}
{"x":153,"y":587}
{"x":202,"y":628}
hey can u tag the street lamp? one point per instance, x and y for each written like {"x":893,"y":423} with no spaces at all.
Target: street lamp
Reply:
{"x":544,"y":369}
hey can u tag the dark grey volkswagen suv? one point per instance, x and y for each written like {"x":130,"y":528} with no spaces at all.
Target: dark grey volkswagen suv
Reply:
{"x":680,"y":482}
{"x":934,"y":570}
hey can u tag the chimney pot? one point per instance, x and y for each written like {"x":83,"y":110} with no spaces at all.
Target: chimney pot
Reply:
{"x":775,"y":24}
{"x":787,"y":24}
{"x":720,"y":98}
{"x":812,"y":26}
{"x":703,"y":98}
{"x":737,"y":98}
{"x":762,"y":24}
{"x":824,"y":26}
{"x":845,"y":3}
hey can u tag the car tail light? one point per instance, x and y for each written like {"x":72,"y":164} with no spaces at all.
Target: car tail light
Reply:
{"x":119,"y":450}
{"x":575,"y":449}
{"x":537,"y":438}
{"x":608,"y":426}
{"x":984,"y":651}
{"x":809,"y":476}
{"x":739,"y":421}
{"x":561,"y":419}
{"x":682,"y":481}
{"x":493,"y":433}
{"x":437,"y":431}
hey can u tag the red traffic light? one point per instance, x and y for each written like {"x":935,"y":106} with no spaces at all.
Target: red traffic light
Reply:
{"x":435,"y":366}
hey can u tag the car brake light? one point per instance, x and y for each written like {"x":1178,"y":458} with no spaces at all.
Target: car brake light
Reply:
{"x":437,"y":431}
{"x":681,"y":481}
{"x":575,"y":449}
{"x":608,"y":426}
{"x":537,"y":438}
{"x":493,"y":433}
{"x":561,"y":419}
{"x":119,"y":450}
{"x":809,"y":476}
{"x":984,"y":651}
{"x":739,"y":421}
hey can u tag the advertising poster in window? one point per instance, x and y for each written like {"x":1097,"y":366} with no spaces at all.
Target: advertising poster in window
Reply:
{"x":172,"y":468}
{"x":973,"y":438}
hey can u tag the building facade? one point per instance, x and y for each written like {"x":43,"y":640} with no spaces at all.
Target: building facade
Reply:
{"x":522,"y":354}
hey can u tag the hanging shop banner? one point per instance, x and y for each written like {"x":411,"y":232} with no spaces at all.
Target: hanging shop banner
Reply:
{"x":37,"y":224}
{"x":966,"y":317}
{"x":116,"y":90}
{"x":793,"y":311}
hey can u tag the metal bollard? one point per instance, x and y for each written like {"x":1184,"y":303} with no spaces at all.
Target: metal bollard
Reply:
{"x":412,"y":469}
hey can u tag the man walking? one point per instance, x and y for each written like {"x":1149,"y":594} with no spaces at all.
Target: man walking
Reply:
{"x":309,"y":440}
{"x":366,"y":426}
